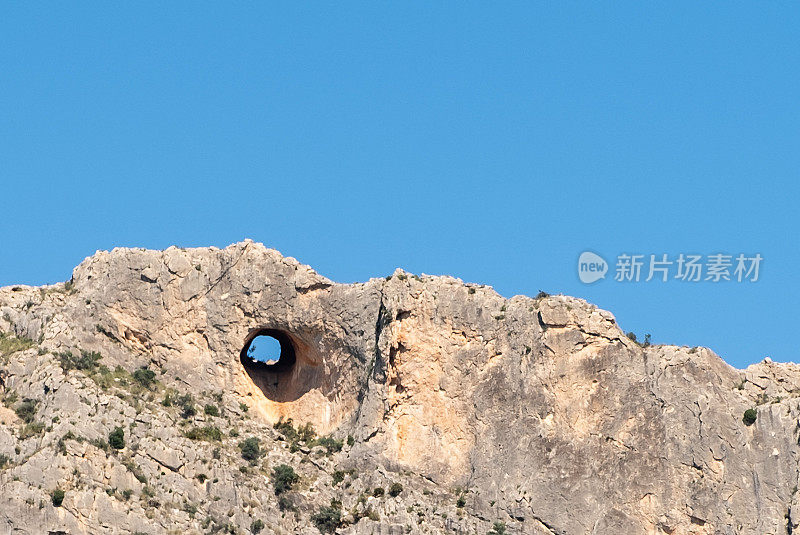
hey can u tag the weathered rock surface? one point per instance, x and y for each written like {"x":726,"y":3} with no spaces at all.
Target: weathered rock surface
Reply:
{"x":537,"y":413}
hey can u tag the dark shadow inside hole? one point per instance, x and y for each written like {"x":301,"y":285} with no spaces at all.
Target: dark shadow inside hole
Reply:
{"x":261,"y":354}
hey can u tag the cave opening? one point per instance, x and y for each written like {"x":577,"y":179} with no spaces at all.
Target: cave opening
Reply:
{"x":268,"y":350}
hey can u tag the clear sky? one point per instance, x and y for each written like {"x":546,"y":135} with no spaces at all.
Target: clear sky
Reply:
{"x":492,"y":142}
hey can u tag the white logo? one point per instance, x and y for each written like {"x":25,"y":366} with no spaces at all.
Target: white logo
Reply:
{"x":591,"y":267}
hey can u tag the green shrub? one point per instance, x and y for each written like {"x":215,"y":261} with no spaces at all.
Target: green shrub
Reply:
{"x":186,"y":403}
{"x":4,"y":460}
{"x":11,"y":344}
{"x":328,"y":518}
{"x":461,"y":501}
{"x":99,"y":443}
{"x":86,"y":362}
{"x":283,"y":478}
{"x":329,"y":443}
{"x":211,"y":410}
{"x":31,"y":429}
{"x":395,"y":489}
{"x":499,"y":528}
{"x":633,"y":338}
{"x":26,"y":410}
{"x":285,"y":503}
{"x":169,"y":398}
{"x":750,"y":416}
{"x":338,"y":477}
{"x":116,"y":438}
{"x":61,"y":445}
{"x":126,"y":494}
{"x":10,"y":398}
{"x":251,"y":449}
{"x":378,"y":492}
{"x":145,"y":377}
{"x":257,"y":526}
{"x":57,"y":497}
{"x":303,"y":434}
{"x":285,"y":428}
{"x":208,"y":433}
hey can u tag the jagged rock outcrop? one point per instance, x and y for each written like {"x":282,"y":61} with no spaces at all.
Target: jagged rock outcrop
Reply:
{"x":535,"y":412}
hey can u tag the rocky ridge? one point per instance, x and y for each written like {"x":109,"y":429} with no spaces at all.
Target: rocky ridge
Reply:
{"x":416,"y":404}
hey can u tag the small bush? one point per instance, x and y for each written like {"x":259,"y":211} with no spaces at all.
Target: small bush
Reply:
{"x":328,"y":518}
{"x":499,"y":528}
{"x":251,"y":449}
{"x":57,"y":497}
{"x":395,"y":490}
{"x":31,"y":429}
{"x":378,"y":492}
{"x":285,"y":503}
{"x":10,"y":398}
{"x":338,"y":477}
{"x":461,"y":502}
{"x":4,"y":460}
{"x":257,"y":526}
{"x":750,"y":416}
{"x":11,"y":344}
{"x":211,"y":410}
{"x":168,"y":399}
{"x":99,"y":443}
{"x":116,"y":438}
{"x":283,"y":478}
{"x":305,"y":434}
{"x":145,"y":377}
{"x":186,"y":403}
{"x":26,"y":410}
{"x":208,"y":433}
{"x":633,"y":338}
{"x":329,"y":443}
{"x":86,"y":362}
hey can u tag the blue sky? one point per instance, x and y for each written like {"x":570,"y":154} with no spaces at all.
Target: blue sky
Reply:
{"x":493,"y":143}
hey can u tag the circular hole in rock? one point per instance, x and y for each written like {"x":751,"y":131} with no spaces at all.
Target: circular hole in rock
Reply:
{"x":268,"y":350}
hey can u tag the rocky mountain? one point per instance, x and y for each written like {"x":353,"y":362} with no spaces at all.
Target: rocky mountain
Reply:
{"x":404,"y":404}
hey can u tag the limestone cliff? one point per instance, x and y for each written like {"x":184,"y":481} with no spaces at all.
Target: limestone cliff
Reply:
{"x":525,"y":415}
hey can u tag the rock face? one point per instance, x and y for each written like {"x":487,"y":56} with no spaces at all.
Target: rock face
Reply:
{"x":539,"y":415}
